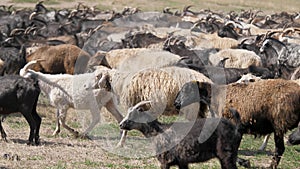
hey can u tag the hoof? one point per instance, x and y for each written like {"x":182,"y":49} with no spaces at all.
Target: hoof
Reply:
{"x":120,"y":145}
{"x":85,"y":137}
{"x":273,"y":165}
{"x":30,"y":143}
{"x":244,"y":163}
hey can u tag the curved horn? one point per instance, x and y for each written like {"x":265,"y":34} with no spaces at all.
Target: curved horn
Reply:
{"x":293,"y":77}
{"x":14,"y":31}
{"x":230,"y":22}
{"x":141,"y":104}
{"x":32,"y":15}
{"x":24,"y":70}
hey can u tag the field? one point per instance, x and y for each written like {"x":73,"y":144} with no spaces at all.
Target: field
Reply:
{"x":64,"y":151}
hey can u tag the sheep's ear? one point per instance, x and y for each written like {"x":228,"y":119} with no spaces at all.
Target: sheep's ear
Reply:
{"x":104,"y":82}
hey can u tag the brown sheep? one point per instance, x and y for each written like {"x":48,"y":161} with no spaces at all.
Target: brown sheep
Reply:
{"x":265,"y":106}
{"x":65,"y":58}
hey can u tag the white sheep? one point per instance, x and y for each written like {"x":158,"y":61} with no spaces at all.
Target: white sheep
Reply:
{"x":237,"y":58}
{"x":159,"y":85}
{"x":248,"y":78}
{"x":74,"y":91}
{"x":132,"y":60}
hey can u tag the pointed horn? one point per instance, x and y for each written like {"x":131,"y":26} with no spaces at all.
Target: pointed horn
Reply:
{"x":24,"y":70}
{"x":14,"y":31}
{"x":32,"y":15}
{"x":293,"y":77}
{"x":141,"y":104}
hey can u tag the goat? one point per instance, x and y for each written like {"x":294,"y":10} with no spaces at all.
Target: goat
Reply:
{"x":77,"y":91}
{"x":63,"y":58}
{"x":18,"y":94}
{"x":181,"y":143}
{"x":266,"y":106}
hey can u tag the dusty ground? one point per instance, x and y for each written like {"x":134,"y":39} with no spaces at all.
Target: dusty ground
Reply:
{"x":64,"y":151}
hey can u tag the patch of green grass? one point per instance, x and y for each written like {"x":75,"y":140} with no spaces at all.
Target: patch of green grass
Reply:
{"x":249,"y":150}
{"x":16,"y":122}
{"x":59,"y":165}
{"x":36,"y":158}
{"x":91,"y":163}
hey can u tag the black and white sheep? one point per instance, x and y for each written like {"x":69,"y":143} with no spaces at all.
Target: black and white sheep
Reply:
{"x":265,"y":106}
{"x":182,"y":143}
{"x":74,"y":91}
{"x":18,"y":94}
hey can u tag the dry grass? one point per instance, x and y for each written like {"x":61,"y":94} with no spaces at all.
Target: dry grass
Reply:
{"x":65,"y":151}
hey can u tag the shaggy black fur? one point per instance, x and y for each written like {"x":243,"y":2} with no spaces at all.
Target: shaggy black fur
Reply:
{"x":18,"y":94}
{"x":182,"y":143}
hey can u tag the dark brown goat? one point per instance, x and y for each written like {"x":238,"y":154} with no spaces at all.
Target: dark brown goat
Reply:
{"x":265,"y":106}
{"x":181,"y":143}
{"x":63,"y":58}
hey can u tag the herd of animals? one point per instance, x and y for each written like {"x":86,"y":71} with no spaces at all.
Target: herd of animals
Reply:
{"x":242,"y":69}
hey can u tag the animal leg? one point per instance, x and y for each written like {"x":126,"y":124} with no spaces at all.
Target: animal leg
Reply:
{"x":38,"y":121}
{"x":62,"y":120}
{"x":227,"y":157}
{"x":3,"y":134}
{"x":95,"y":119}
{"x":183,"y":166}
{"x":123,"y":139}
{"x":111,"y":107}
{"x":264,"y":144}
{"x":57,"y":129}
{"x":32,"y":125}
{"x":279,"y":149}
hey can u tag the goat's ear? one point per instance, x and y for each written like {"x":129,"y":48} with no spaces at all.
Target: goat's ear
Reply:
{"x":204,"y":89}
{"x":204,"y":92}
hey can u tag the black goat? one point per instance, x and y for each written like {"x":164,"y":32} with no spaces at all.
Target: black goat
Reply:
{"x":18,"y":94}
{"x":181,"y":143}
{"x":221,"y":75}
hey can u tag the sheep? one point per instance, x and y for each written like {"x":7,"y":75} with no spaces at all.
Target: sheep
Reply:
{"x":74,"y":91}
{"x":123,"y":59}
{"x":65,"y":58}
{"x":160,"y":85}
{"x":181,"y":143}
{"x":266,"y":106}
{"x":237,"y":58}
{"x":18,"y":94}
